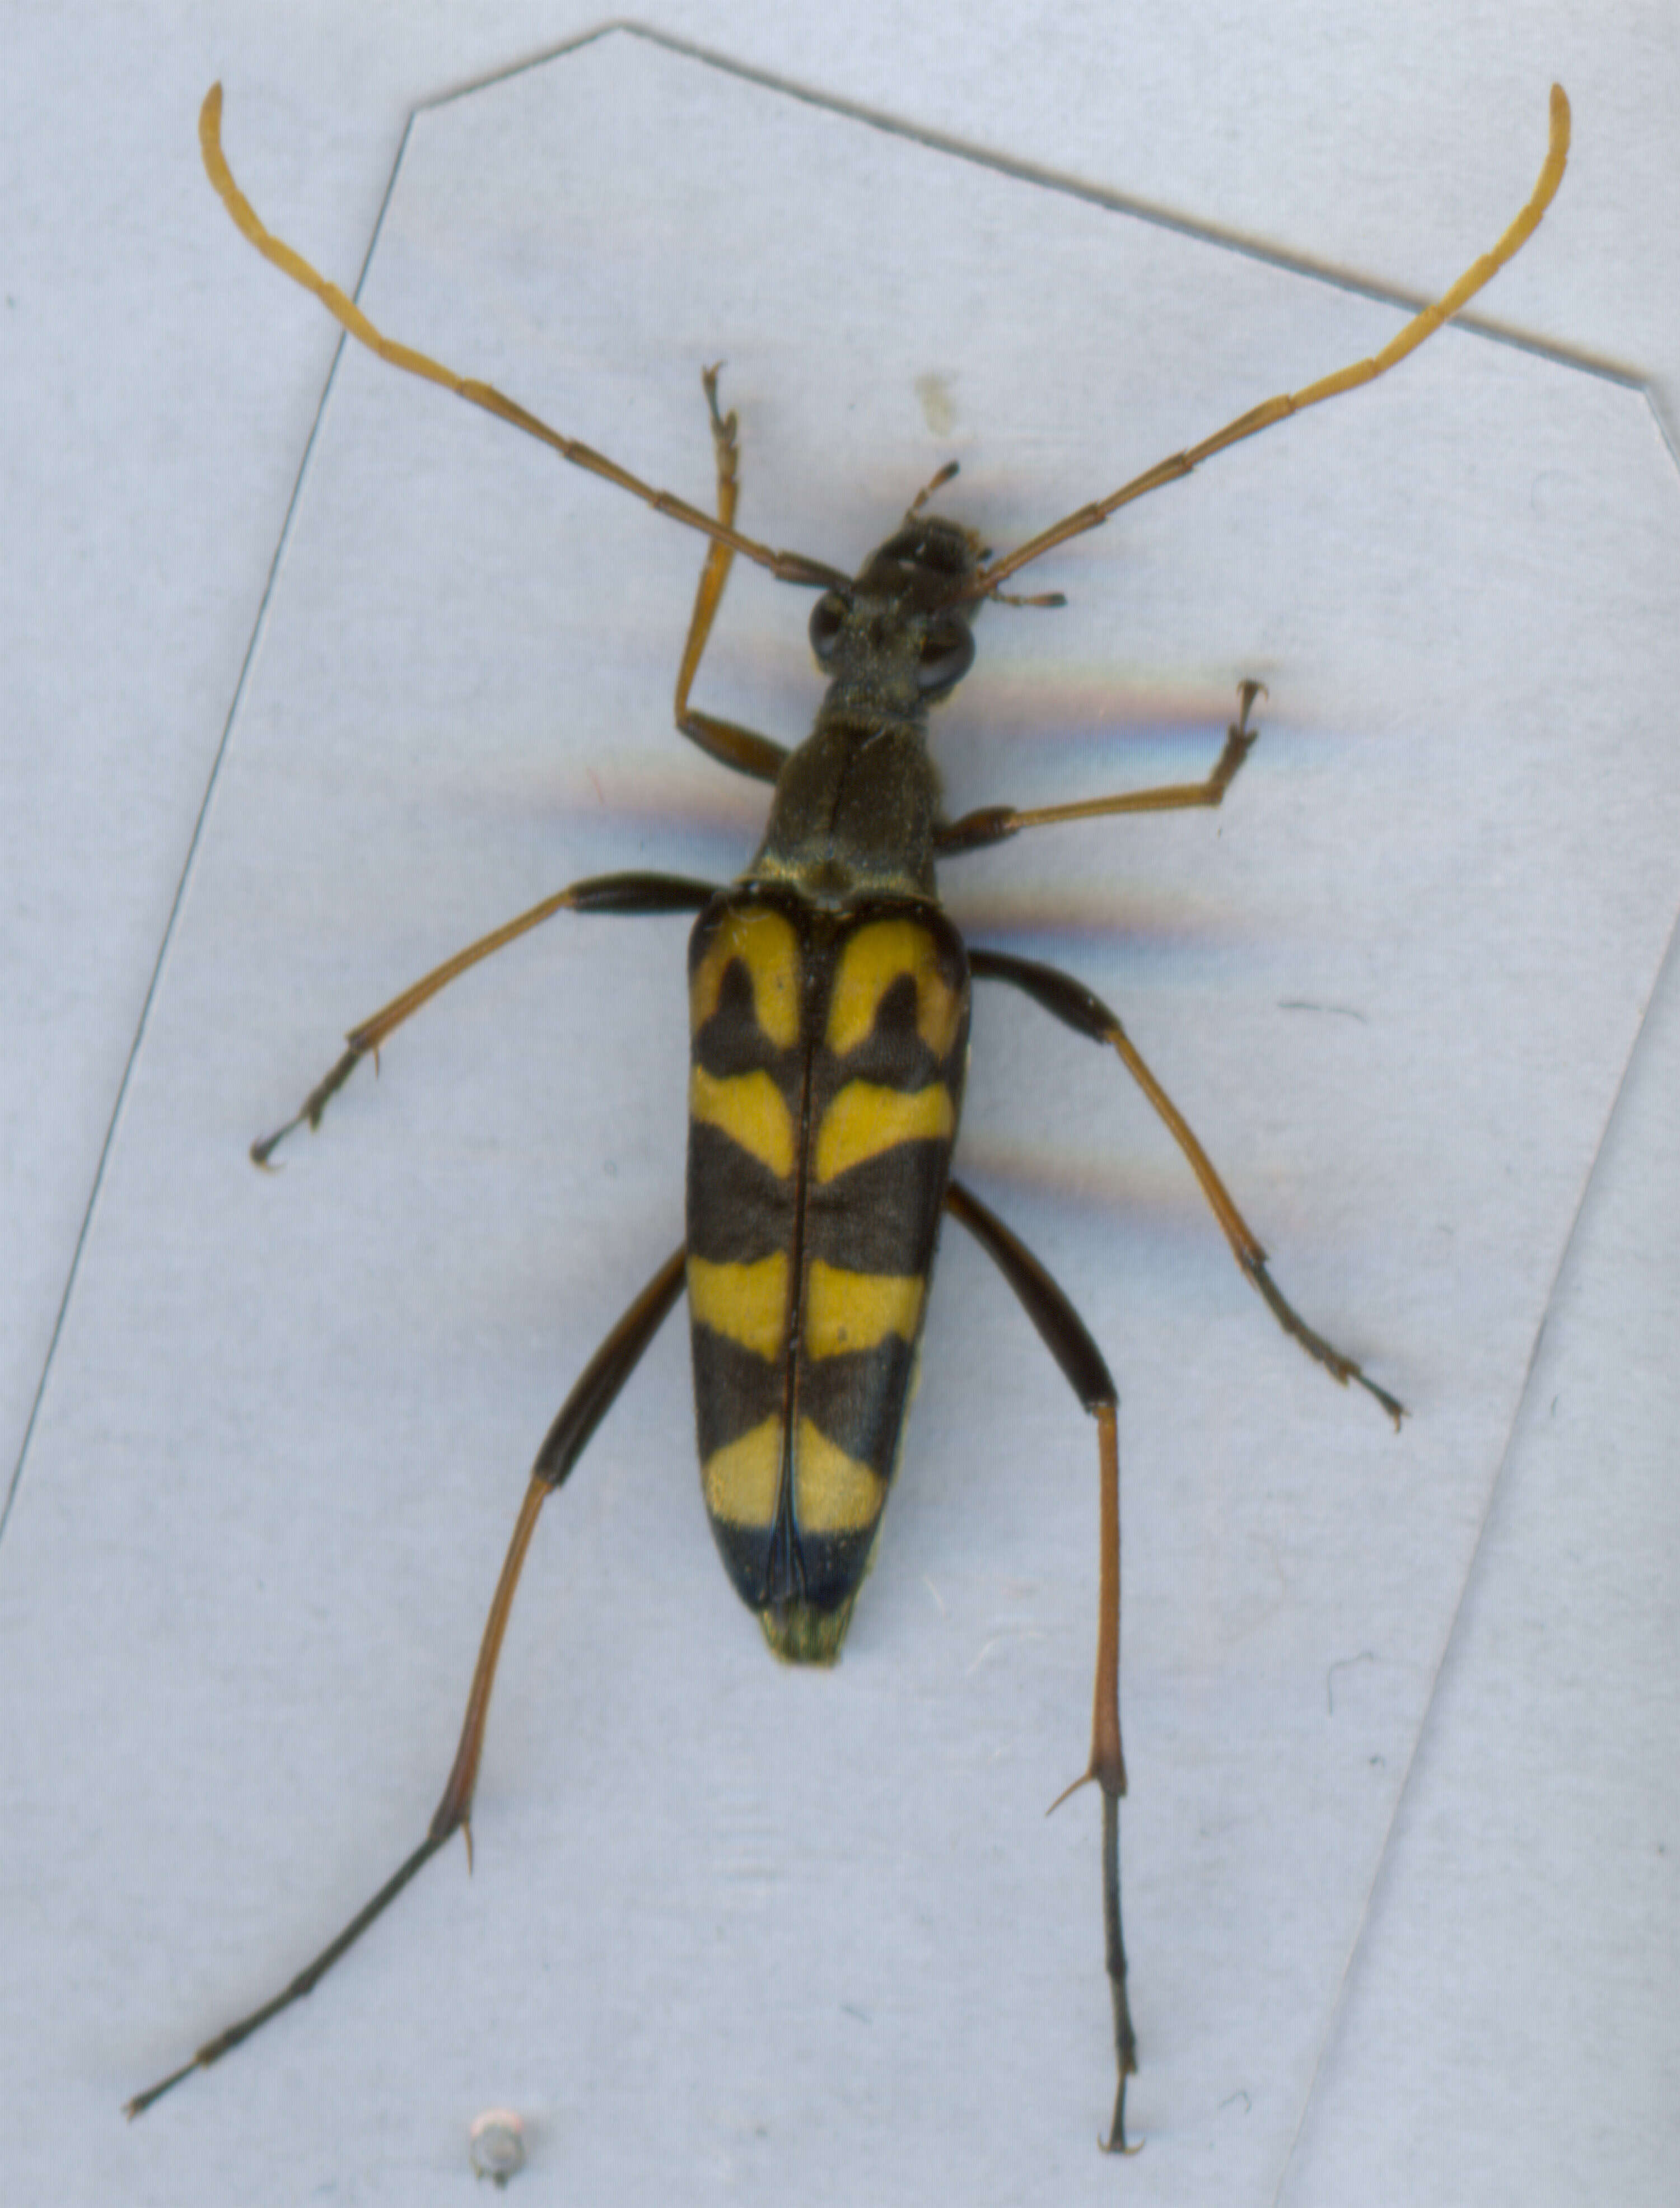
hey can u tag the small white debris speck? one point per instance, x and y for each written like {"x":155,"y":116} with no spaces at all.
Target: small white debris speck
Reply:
{"x":496,"y":2143}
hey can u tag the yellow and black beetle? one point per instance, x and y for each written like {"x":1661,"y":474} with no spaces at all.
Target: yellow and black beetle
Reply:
{"x":828,"y":1012}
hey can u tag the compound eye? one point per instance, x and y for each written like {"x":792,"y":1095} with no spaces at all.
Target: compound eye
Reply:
{"x":828,"y":617}
{"x":947,"y":654}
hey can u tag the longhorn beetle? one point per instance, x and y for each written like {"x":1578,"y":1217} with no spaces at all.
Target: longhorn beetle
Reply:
{"x":828,"y":1016}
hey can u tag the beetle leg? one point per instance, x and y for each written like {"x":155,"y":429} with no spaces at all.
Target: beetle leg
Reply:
{"x":723,"y":740}
{"x":583,"y":1411}
{"x":1064,"y":1335}
{"x":996,"y":823}
{"x":614,"y":893}
{"x":1078,"y":1008}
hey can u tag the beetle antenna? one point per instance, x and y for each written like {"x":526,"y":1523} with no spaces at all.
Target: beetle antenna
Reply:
{"x":1422,"y":326}
{"x":789,"y":567}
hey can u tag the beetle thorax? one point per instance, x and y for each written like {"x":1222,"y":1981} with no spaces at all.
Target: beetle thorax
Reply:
{"x":855,"y":805}
{"x":855,"y":809}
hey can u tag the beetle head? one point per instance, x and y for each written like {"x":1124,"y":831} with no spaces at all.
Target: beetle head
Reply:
{"x":904,"y":610}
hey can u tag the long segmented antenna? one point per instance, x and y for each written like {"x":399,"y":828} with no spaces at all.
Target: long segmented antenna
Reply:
{"x":786,"y":567}
{"x":1421,"y":326}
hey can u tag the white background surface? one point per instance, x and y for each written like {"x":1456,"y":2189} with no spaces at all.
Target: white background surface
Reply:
{"x":283,"y":1432}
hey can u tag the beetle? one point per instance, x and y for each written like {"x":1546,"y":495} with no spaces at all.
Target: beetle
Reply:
{"x":829,"y":1001}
